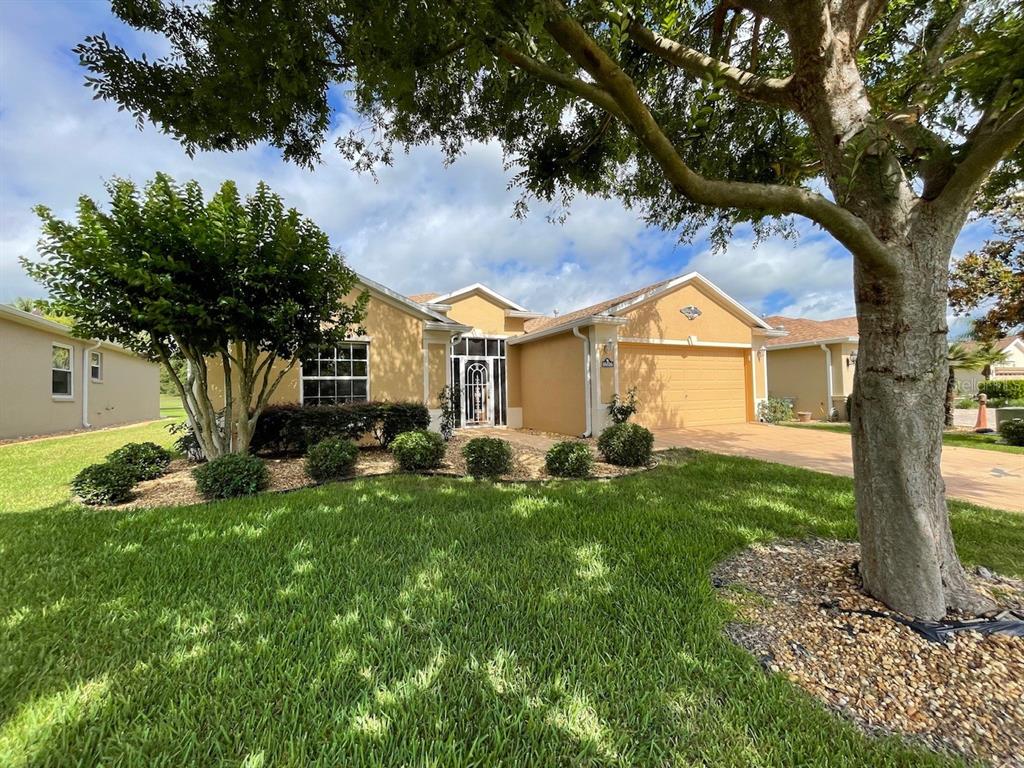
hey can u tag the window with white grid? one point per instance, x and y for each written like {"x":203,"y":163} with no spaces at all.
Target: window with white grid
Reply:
{"x":338,"y":374}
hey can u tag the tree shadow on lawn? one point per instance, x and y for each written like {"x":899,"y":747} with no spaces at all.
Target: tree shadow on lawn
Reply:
{"x":415,"y":620}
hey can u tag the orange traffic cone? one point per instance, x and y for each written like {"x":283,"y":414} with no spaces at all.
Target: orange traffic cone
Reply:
{"x":981,"y":425}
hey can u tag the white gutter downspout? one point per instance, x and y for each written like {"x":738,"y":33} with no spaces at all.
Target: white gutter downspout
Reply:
{"x":85,"y":383}
{"x":828,"y":379}
{"x":586,"y":379}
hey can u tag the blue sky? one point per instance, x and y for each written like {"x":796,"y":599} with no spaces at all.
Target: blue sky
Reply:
{"x":422,"y":226}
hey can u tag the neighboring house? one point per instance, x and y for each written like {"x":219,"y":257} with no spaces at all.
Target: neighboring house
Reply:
{"x":1012,"y":366}
{"x":813,"y":364}
{"x":53,"y":382}
{"x":693,"y":353}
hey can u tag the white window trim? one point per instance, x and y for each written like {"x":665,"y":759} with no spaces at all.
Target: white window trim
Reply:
{"x":356,"y":340}
{"x":99,"y":355}
{"x":70,"y":369}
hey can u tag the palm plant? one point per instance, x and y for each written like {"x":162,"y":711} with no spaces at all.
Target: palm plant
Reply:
{"x":967,"y":357}
{"x":25,"y":304}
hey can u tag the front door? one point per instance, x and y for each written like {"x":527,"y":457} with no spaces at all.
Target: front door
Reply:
{"x":478,"y":379}
{"x":476,"y":394}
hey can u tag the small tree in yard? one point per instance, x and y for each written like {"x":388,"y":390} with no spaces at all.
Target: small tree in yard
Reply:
{"x":884,"y":123}
{"x":170,"y":276}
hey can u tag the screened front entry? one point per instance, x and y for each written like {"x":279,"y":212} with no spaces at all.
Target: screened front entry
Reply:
{"x":478,"y":379}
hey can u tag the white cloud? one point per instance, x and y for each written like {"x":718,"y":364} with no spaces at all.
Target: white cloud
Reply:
{"x":809,"y":277}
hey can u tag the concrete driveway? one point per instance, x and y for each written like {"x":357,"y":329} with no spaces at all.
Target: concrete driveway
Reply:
{"x":989,"y":478}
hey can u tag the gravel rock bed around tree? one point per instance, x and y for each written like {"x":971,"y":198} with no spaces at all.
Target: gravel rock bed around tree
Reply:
{"x":965,"y":696}
{"x":178,"y":488}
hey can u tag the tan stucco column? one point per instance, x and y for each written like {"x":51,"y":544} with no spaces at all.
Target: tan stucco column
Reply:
{"x":604,"y":378}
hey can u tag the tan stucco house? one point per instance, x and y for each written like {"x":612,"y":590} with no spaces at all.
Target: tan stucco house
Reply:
{"x":1010,"y":367}
{"x":52,"y":382}
{"x":812,"y":365}
{"x":694,"y":354}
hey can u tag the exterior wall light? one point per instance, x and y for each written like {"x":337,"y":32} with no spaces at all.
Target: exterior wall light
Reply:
{"x":852,"y":359}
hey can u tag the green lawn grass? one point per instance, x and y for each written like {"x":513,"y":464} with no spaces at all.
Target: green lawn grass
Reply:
{"x":36,"y":473}
{"x":961,"y":439}
{"x":171,"y":408}
{"x":422,"y":621}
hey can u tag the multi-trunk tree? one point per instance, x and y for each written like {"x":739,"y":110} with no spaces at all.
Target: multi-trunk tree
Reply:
{"x":248,"y":284}
{"x":885,"y":123}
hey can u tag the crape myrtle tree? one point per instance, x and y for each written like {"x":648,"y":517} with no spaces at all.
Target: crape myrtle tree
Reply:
{"x":884,"y":123}
{"x":247,"y":284}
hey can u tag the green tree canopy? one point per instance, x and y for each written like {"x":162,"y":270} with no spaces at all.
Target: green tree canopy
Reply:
{"x":170,"y":275}
{"x":992,"y":277}
{"x":448,"y":73}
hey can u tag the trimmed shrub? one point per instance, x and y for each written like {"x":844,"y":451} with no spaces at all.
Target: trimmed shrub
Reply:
{"x":487,"y":457}
{"x":331,"y":458}
{"x":1012,"y":431}
{"x":418,"y":450}
{"x":294,"y":428}
{"x":849,"y":407}
{"x":773,"y":410}
{"x":107,"y":483}
{"x":146,"y":460}
{"x":626,"y":445}
{"x":396,"y":418}
{"x":235,"y":474}
{"x":1002,"y":389}
{"x":569,"y":459}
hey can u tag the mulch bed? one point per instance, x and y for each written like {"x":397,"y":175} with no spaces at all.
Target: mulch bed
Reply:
{"x":178,"y":488}
{"x":965,"y":696}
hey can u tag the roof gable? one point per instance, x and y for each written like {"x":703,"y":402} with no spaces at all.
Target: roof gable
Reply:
{"x":480,"y":288}
{"x":620,"y":304}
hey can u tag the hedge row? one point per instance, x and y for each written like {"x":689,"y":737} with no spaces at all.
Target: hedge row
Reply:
{"x":296,"y":428}
{"x":1003,"y":389}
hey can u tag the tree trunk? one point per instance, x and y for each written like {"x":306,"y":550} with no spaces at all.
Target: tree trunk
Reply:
{"x":908,"y":560}
{"x":950,"y":396}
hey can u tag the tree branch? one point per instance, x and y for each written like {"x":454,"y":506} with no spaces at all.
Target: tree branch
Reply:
{"x":983,"y":153}
{"x":935,"y":153}
{"x":933,"y":57}
{"x":858,"y":18}
{"x":850,"y":230}
{"x":587,"y":91}
{"x":765,"y":8}
{"x":769,"y":90}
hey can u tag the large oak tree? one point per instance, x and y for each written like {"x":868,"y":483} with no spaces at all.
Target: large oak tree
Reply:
{"x":885,"y":123}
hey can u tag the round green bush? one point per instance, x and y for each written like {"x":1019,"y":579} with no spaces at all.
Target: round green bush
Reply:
{"x":235,"y":474}
{"x":487,"y":457}
{"x":146,"y":460}
{"x":418,"y":450}
{"x":107,"y":483}
{"x":626,"y":445}
{"x":331,"y":458}
{"x":1012,"y":431}
{"x":569,"y":459}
